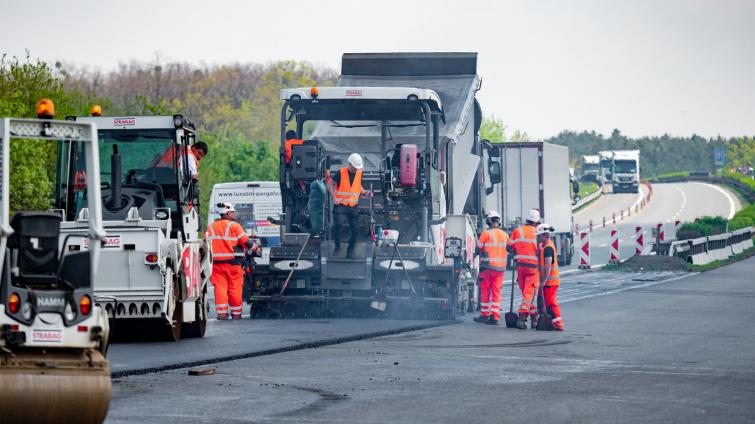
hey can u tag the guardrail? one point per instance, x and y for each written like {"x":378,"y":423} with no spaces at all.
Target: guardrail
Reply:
{"x":704,"y":250}
{"x":744,"y":190}
{"x":587,"y":199}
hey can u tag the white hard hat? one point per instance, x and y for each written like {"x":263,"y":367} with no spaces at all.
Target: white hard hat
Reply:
{"x":533,"y":216}
{"x":355,"y":160}
{"x":494,"y":214}
{"x":224,"y":208}
{"x":544,"y":229}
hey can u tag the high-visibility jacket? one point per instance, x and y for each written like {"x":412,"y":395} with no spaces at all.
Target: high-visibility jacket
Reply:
{"x":524,"y":242}
{"x":493,"y":252}
{"x":347,"y":193}
{"x":553,"y":278}
{"x":166,"y":160}
{"x":290,"y":146}
{"x":227,"y":239}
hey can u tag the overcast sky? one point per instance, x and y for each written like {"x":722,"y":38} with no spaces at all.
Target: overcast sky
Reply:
{"x":643,"y":66}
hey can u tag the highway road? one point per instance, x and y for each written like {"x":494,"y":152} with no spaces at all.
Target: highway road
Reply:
{"x":658,"y":352}
{"x":683,"y":201}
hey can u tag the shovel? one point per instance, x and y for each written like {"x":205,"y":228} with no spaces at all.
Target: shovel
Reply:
{"x":510,"y":317}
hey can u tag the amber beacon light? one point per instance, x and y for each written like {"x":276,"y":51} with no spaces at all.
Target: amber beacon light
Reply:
{"x":45,"y":109}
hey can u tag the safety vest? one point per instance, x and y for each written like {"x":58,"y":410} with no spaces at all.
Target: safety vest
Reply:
{"x":166,"y":160}
{"x":524,"y":241}
{"x":227,"y":239}
{"x":290,"y":146}
{"x":553,"y":278}
{"x":347,"y":193}
{"x":493,"y":255}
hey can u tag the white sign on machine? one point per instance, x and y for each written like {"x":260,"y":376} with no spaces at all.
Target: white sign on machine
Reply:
{"x":254,"y":202}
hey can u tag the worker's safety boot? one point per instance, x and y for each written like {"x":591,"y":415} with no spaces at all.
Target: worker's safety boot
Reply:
{"x":522,"y":322}
{"x":482,"y":319}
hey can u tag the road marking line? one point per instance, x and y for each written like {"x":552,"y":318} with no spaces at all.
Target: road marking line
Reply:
{"x":684,"y":202}
{"x":623,"y":289}
{"x":732,"y":208}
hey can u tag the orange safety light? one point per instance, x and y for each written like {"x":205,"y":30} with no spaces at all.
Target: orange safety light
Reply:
{"x":45,"y":109}
{"x":314,"y":92}
{"x":14,"y":303}
{"x":85,"y":305}
{"x":96,"y":110}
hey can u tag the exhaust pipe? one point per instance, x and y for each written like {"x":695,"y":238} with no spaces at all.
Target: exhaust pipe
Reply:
{"x":116,"y":202}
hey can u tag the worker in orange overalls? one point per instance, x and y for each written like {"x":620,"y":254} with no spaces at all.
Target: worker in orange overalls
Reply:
{"x":345,"y":187}
{"x":492,"y":247}
{"x":549,"y":274}
{"x":291,"y":141}
{"x":229,"y":245}
{"x":523,"y":244}
{"x":197,"y":151}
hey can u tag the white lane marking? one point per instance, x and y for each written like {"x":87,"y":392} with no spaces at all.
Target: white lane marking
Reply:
{"x":623,"y":289}
{"x":603,"y":245}
{"x":684,"y":203}
{"x":732,"y":208}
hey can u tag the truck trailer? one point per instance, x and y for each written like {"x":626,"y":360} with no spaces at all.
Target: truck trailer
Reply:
{"x":606,"y":166}
{"x":591,"y":168}
{"x":535,"y":176}
{"x":415,"y":121}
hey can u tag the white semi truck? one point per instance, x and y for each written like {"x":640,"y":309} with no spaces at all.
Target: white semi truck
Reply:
{"x":626,"y":171}
{"x":591,"y":168}
{"x":535,"y":176}
{"x":606,"y":166}
{"x":155,"y":263}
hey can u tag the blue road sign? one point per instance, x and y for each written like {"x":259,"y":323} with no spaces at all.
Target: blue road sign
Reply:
{"x":719,"y":154}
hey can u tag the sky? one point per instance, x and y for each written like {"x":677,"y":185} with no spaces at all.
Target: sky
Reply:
{"x":646,"y":67}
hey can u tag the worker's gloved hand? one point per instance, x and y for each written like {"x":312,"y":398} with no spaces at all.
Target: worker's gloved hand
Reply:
{"x":367,"y":193}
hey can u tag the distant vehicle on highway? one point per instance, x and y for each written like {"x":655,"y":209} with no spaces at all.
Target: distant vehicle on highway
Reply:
{"x":626,"y":171}
{"x":591,"y":168}
{"x":606,"y":166}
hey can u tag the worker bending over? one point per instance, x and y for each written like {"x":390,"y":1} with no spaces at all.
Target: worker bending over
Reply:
{"x":229,"y":244}
{"x":492,"y":248}
{"x":549,"y":274}
{"x":523,"y":244}
{"x":345,"y":187}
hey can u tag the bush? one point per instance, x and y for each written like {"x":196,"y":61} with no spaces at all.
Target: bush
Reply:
{"x":743,"y":218}
{"x":702,"y":227}
{"x":670,"y":175}
{"x":744,"y":179}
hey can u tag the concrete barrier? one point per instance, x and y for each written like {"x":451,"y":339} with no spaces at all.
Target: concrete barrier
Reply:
{"x":704,"y":250}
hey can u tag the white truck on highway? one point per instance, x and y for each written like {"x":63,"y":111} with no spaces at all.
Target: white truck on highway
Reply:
{"x":626,"y":171}
{"x":535,"y":176}
{"x":591,"y":168}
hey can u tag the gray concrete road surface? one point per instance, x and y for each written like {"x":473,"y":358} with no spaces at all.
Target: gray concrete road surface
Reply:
{"x":683,"y":201}
{"x":668,"y":349}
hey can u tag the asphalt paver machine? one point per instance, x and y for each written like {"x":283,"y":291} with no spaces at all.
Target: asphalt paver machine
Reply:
{"x":156,"y":265}
{"x":53,"y":338}
{"x":414,"y":119}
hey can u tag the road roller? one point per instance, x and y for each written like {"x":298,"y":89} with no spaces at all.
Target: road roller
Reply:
{"x":53,"y":337}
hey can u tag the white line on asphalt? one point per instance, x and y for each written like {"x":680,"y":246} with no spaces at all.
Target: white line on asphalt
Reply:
{"x":732,"y":208}
{"x":652,"y":283}
{"x":684,"y":202}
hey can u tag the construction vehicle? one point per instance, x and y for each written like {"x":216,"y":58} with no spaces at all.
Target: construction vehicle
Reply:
{"x":157,"y":261}
{"x":535,"y":176}
{"x":626,"y":171}
{"x":53,"y":338}
{"x":415,"y":120}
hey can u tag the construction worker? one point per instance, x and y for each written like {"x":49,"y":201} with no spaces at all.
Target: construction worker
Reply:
{"x":549,"y":274}
{"x":492,"y":247}
{"x":523,"y":244}
{"x":228,"y":249}
{"x":291,"y":141}
{"x":345,"y":187}
{"x":197,"y":151}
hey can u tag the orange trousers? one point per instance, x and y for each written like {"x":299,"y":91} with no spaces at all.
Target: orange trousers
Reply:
{"x":491,"y":283}
{"x":228,"y":280}
{"x":551,"y":304}
{"x":528,"y":280}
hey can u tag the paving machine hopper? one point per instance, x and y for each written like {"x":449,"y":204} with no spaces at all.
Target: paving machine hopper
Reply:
{"x":53,"y":338}
{"x":414,"y":120}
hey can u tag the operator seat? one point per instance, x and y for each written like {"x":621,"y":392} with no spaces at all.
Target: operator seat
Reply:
{"x":35,"y":237}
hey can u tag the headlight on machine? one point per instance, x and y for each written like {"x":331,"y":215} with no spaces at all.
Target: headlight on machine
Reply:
{"x":70,"y":312}
{"x":26,"y":311}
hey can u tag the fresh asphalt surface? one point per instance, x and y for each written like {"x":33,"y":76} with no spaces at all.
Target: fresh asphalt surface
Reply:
{"x":674,"y":351}
{"x":673,"y":201}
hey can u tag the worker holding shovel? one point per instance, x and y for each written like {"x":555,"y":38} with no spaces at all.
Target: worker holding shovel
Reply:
{"x":550,"y":276}
{"x":492,"y":247}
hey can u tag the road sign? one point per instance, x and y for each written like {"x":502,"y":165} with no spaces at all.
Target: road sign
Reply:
{"x":719,"y":154}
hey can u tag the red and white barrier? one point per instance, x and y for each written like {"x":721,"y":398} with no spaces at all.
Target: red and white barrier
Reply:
{"x":614,"y":247}
{"x":661,"y":233}
{"x":584,"y":250}
{"x":639,"y":240}
{"x":622,"y":214}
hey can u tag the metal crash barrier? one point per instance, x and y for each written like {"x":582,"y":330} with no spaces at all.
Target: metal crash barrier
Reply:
{"x":704,"y":250}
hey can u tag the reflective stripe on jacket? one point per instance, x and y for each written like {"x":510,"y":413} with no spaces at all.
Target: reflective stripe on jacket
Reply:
{"x":524,"y":241}
{"x":553,"y":278}
{"x":227,"y":240}
{"x":347,"y":193}
{"x":493,"y":253}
